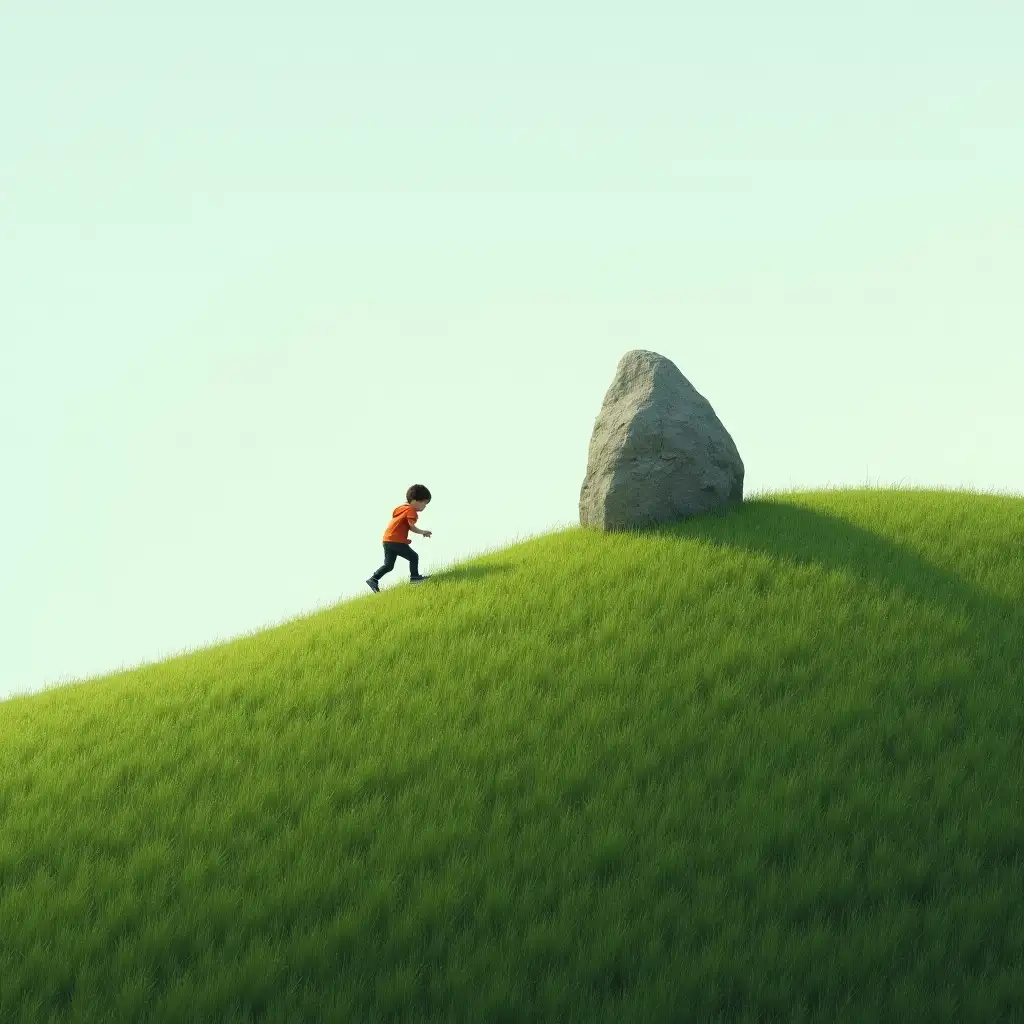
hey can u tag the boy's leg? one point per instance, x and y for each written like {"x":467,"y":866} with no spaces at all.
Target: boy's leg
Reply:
{"x":390,"y":553}
{"x":406,"y":551}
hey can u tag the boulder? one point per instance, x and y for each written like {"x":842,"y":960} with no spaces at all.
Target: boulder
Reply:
{"x":658,"y":453}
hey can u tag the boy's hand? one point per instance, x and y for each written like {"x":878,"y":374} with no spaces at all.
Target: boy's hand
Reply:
{"x":426,"y":533}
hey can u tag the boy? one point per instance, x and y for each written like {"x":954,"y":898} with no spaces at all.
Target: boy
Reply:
{"x":396,"y":536}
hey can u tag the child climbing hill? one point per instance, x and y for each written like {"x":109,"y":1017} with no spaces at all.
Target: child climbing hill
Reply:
{"x":396,"y":536}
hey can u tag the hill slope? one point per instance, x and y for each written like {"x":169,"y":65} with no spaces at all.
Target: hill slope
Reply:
{"x":765,"y":763}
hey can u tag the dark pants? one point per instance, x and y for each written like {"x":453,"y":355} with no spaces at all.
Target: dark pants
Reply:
{"x":392,"y":549}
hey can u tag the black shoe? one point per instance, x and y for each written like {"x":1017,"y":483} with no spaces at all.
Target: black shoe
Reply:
{"x":372,"y":584}
{"x":418,"y":579}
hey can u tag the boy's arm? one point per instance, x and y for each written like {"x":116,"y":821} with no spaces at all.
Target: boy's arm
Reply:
{"x":414,"y":529}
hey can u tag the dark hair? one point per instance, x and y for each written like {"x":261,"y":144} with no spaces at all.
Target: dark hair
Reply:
{"x":417,"y":493}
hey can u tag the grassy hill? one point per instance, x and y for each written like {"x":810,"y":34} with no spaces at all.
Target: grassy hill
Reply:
{"x":765,"y":765}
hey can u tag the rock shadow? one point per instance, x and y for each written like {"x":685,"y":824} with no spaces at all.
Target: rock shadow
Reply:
{"x":797,"y":535}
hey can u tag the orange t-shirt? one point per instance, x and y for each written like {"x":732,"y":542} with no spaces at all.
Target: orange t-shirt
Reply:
{"x":398,"y":529}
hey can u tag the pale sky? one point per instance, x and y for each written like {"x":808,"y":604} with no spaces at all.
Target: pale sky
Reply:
{"x":262,"y":269}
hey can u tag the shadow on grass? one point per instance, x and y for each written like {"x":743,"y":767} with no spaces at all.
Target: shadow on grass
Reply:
{"x":796,"y":535}
{"x":468,"y":572}
{"x":793,"y":534}
{"x":801,"y":536}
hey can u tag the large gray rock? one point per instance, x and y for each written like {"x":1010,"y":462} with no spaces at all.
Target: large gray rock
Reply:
{"x":658,"y":453}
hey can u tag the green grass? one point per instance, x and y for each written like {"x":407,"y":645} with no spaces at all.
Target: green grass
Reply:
{"x":764,"y":765}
